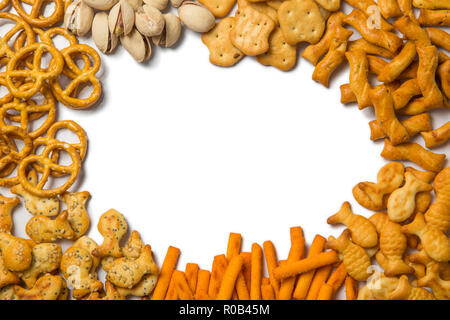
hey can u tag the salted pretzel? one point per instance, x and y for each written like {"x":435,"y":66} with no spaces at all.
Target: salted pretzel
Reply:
{"x":3,"y":4}
{"x":19,"y":25}
{"x":27,"y":111}
{"x":79,"y":77}
{"x":49,"y":168}
{"x":10,"y":153}
{"x":35,"y":17}
{"x":8,"y":96}
{"x":37,"y":75}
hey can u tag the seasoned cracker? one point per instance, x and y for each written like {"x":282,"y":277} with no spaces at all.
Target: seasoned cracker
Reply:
{"x":219,"y":8}
{"x":281,"y":54}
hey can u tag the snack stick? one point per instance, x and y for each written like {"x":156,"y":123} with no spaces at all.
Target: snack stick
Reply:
{"x":412,"y":31}
{"x":370,"y":48}
{"x":171,"y":291}
{"x":218,"y":269}
{"x":363,"y":5}
{"x":320,"y":277}
{"x":247,"y":267}
{"x":384,"y":110}
{"x":377,"y":64}
{"x":304,"y":280}
{"x":415,"y":153}
{"x":234,"y":245}
{"x":389,"y":8}
{"x":388,"y":40}
{"x":267,"y":292}
{"x":407,"y":9}
{"x":347,"y":94}
{"x":351,"y":288}
{"x":397,"y":65}
{"x":229,"y":278}
{"x":256,"y":275}
{"x":314,"y":52}
{"x":305,"y":265}
{"x":182,"y":287}
{"x":439,"y":38}
{"x":296,"y":253}
{"x":337,"y":278}
{"x":325,"y":292}
{"x":405,"y":93}
{"x":437,"y":136}
{"x":359,"y":82}
{"x":434,"y":17}
{"x":165,"y":275}
{"x":191,"y":272}
{"x":272,"y":262}
{"x":241,"y":288}
{"x":234,"y":248}
{"x":201,"y":290}
{"x":416,"y":124}
{"x":443,"y":72}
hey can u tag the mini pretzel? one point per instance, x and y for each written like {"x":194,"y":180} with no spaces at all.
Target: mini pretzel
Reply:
{"x":412,"y":31}
{"x":48,"y":168}
{"x":20,"y":24}
{"x":363,"y":5}
{"x":36,"y":74}
{"x":359,"y":82}
{"x":434,"y":17}
{"x":9,"y":149}
{"x":443,"y":72}
{"x":439,"y":38}
{"x":35,"y":17}
{"x":405,"y":93}
{"x":370,"y":48}
{"x":3,"y":4}
{"x":413,"y":125}
{"x":389,"y":8}
{"x":394,"y":68}
{"x":79,"y":76}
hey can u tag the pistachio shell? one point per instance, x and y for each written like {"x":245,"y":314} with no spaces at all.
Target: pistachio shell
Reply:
{"x":78,"y":18}
{"x":121,"y":18}
{"x":149,"y":21}
{"x":158,"y":4}
{"x":135,"y":4}
{"x":137,"y":45}
{"x":101,"y":4}
{"x":176,"y":3}
{"x":105,"y":41}
{"x":196,"y":17}
{"x":171,"y":32}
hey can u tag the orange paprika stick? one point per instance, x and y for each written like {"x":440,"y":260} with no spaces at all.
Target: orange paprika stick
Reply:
{"x":256,"y":275}
{"x":325,"y":292}
{"x":165,"y":275}
{"x":337,"y":278}
{"x":296,"y":253}
{"x":191,"y":272}
{"x":201,"y":291}
{"x":320,"y":277}
{"x":234,"y":245}
{"x":219,"y":266}
{"x":267,"y":292}
{"x":272,"y":262}
{"x":182,"y":288}
{"x":351,"y":288}
{"x":229,"y":278}
{"x":304,"y":281}
{"x":247,"y":267}
{"x":171,"y":291}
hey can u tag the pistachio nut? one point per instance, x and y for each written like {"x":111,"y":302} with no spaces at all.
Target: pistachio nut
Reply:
{"x":137,"y":45}
{"x":171,"y":32}
{"x":101,"y":4}
{"x":196,"y":17}
{"x":121,"y":18}
{"x":176,"y":3}
{"x":158,"y":4}
{"x":135,"y":3}
{"x":149,"y":21}
{"x":78,"y":18}
{"x":104,"y":39}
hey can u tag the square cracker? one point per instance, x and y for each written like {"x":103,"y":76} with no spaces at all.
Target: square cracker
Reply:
{"x":219,"y":8}
{"x":281,"y":54}
{"x":221,"y":50}
{"x":262,"y":7}
{"x":252,"y":31}
{"x":301,"y":20}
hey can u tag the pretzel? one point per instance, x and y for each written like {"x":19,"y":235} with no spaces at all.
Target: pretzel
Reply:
{"x":48,"y":168}
{"x":413,"y":125}
{"x":19,"y":24}
{"x":359,"y":82}
{"x":394,"y":68}
{"x":36,"y":74}
{"x":79,"y":76}
{"x":35,"y":17}
{"x":9,"y":149}
{"x":4,"y":4}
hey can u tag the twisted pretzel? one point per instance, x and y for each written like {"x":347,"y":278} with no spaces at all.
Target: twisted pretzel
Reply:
{"x":35,"y":18}
{"x":50,"y":167}
{"x":36,"y":74}
{"x":68,"y":96}
{"x":9,"y":151}
{"x":6,"y":181}
{"x":3,"y":4}
{"x":7,"y":97}
{"x":20,"y":24}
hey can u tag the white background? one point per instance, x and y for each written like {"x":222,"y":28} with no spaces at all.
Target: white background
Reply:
{"x":189,"y":152}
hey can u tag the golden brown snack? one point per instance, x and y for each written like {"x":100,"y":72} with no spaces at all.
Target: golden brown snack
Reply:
{"x":354,"y":257}
{"x":389,"y":8}
{"x":431,"y":4}
{"x":281,"y":54}
{"x":134,"y":246}
{"x":111,"y":293}
{"x":221,"y":51}
{"x":437,"y":137}
{"x":261,"y":7}
{"x":7,"y":206}
{"x":142,"y":288}
{"x":413,"y":125}
{"x":301,"y":20}
{"x":443,"y":72}
{"x":329,"y":5}
{"x":434,"y":17}
{"x":219,"y":8}
{"x":362,"y":230}
{"x":126,"y":273}
{"x":433,"y":280}
{"x":405,"y":291}
{"x":373,"y":195}
{"x":370,"y":48}
{"x":7,"y":277}
{"x":76,"y":210}
{"x":112,"y":226}
{"x":438,"y":215}
{"x":43,"y":229}
{"x":378,"y":287}
{"x":405,"y":93}
{"x":364,"y":5}
{"x":8,"y":293}
{"x":423,"y":199}
{"x":16,"y":252}
{"x":90,"y":245}
{"x":47,"y":287}
{"x":412,"y":31}
{"x":359,"y":83}
{"x":400,"y":62}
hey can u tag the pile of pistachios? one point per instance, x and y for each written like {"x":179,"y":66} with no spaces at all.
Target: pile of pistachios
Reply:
{"x":136,"y":23}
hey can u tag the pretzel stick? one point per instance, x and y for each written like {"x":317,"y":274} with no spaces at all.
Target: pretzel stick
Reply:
{"x":165,"y":275}
{"x":325,"y":292}
{"x":191,"y":272}
{"x":347,"y":94}
{"x":184,"y":292}
{"x":255,"y":286}
{"x":320,"y":277}
{"x":337,"y":278}
{"x":201,"y":291}
{"x":439,"y":38}
{"x":413,"y":125}
{"x":272,"y":262}
{"x":219,"y":266}
{"x":296,"y":253}
{"x":351,"y":288}
{"x":305,"y":279}
{"x":229,"y":278}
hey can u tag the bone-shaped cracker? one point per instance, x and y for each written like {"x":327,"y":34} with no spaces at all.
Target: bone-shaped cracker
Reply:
{"x":434,"y":17}
{"x":112,"y":226}
{"x":438,"y":214}
{"x":362,"y":230}
{"x":438,"y":136}
{"x":413,"y":125}
{"x":47,"y":287}
{"x":400,"y":62}
{"x":7,"y":206}
{"x":405,"y":291}
{"x":281,"y":54}
{"x":44,"y":229}
{"x":389,"y":8}
{"x":359,"y":83}
{"x":16,"y":252}
{"x":76,"y":209}
{"x":372,"y":195}
{"x":412,"y":31}
{"x":405,"y":93}
{"x":354,"y":257}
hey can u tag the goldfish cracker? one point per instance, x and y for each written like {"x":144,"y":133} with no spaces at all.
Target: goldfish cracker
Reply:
{"x":44,"y":229}
{"x":433,"y":280}
{"x":7,"y":206}
{"x":112,"y":226}
{"x":413,"y":125}
{"x":378,"y":287}
{"x":47,"y":287}
{"x":372,"y":195}
{"x":134,"y":246}
{"x":16,"y":252}
{"x":355,"y":259}
{"x":423,"y":199}
{"x":405,"y":291}
{"x":359,"y":82}
{"x":90,"y":245}
{"x":142,"y":288}
{"x":438,"y":214}
{"x":76,"y":210}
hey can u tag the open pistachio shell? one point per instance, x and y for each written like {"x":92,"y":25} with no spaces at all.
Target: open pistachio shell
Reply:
{"x":121,"y":18}
{"x":171,"y":32}
{"x":137,"y":45}
{"x":78,"y":18}
{"x":196,"y":17}
{"x":105,"y":41}
{"x":101,"y":4}
{"x":149,"y":21}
